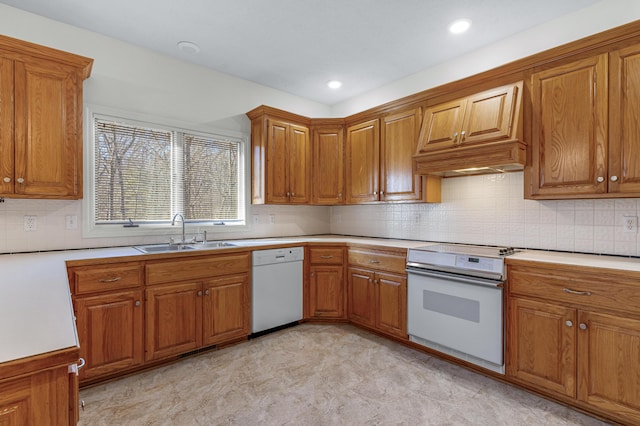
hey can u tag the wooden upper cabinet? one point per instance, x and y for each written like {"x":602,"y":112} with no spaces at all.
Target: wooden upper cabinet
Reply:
{"x":288,"y":163}
{"x":41,"y":113}
{"x":399,"y":136}
{"x":363,"y":162}
{"x":482,"y":130}
{"x":569,"y":126}
{"x":328,"y":165}
{"x":442,"y":125}
{"x":624,"y":128}
{"x":280,"y":157}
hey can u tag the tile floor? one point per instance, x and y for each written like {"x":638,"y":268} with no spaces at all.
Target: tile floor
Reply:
{"x":317,"y":375}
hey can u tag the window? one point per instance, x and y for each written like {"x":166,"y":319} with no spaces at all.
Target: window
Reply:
{"x":146,"y":173}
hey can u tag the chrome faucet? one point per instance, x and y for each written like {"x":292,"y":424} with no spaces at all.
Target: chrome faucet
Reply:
{"x":173,"y":222}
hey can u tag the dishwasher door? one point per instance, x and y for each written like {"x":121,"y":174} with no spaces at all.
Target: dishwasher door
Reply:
{"x":276,"y":285}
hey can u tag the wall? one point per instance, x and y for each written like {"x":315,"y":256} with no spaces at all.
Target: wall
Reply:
{"x":590,"y":20}
{"x":491,"y":210}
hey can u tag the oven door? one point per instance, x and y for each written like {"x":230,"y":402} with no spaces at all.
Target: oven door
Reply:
{"x":457,"y":315}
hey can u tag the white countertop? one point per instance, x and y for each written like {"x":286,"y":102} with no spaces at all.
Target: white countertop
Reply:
{"x":36,"y":315}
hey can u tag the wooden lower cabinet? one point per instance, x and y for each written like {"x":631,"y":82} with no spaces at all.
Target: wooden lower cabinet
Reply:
{"x":47,"y":396}
{"x":173,"y":319}
{"x":326,"y":294}
{"x":110,"y":330}
{"x":226,"y":308}
{"x":377,"y":294}
{"x":195,"y":302}
{"x":574,"y":333}
{"x":108,"y":302}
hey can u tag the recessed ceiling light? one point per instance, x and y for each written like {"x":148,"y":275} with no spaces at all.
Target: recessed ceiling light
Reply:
{"x":334,"y":84}
{"x":459,"y":26}
{"x":188,"y":47}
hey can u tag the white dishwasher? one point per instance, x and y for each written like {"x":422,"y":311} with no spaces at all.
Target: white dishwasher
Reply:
{"x":276,"y":288}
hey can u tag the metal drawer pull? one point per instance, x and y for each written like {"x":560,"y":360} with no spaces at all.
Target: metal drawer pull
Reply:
{"x":374,"y":261}
{"x":110,"y":280}
{"x":580,"y":293}
{"x":326,"y":257}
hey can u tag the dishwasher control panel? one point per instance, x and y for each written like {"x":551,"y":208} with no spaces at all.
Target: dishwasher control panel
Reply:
{"x":279,"y":255}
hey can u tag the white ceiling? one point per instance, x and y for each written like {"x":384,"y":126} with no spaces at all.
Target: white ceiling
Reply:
{"x":298,"y":45}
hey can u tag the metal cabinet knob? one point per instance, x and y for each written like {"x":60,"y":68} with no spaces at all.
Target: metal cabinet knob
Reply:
{"x":20,"y":180}
{"x":583,"y":326}
{"x":569,"y":323}
{"x":7,"y":180}
{"x":381,"y":192}
{"x":200,"y":293}
{"x":375,"y":192}
{"x":455,"y":135}
{"x":600,"y":179}
{"x":614,"y":178}
{"x":293,"y":194}
{"x":206,"y":292}
{"x":138,"y":303}
{"x":462,"y":134}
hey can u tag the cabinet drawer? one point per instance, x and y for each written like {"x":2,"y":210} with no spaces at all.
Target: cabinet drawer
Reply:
{"x":92,"y":279}
{"x":197,"y":268}
{"x":326,"y":255}
{"x":587,"y":287}
{"x":378,"y":260}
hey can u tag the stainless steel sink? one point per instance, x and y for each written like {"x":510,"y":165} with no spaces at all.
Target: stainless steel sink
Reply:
{"x":213,"y":245}
{"x":163,"y":248}
{"x":167,"y":248}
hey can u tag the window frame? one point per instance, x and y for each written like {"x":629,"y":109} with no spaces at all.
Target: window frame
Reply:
{"x":92,"y":230}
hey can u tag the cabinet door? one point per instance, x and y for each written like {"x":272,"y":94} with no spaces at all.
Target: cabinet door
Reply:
{"x":488,"y":115}
{"x":48,"y":130}
{"x":363,"y":162}
{"x":226,"y":309}
{"x":391,"y":302}
{"x":326,"y":288}
{"x":328,"y":166}
{"x":299,"y":161}
{"x":569,"y":129}
{"x":173,"y":319}
{"x":541,"y":349}
{"x":277,"y":171}
{"x":442,"y":126}
{"x":6,"y":129}
{"x":110,"y":330}
{"x":398,"y":144}
{"x":624,"y":129}
{"x":608,"y":363}
{"x":361,"y":296}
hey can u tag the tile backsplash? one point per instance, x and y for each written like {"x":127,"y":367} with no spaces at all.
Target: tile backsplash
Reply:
{"x":486,"y":209}
{"x":491,"y":209}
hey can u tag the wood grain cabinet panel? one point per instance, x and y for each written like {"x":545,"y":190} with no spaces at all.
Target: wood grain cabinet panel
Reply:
{"x":481,"y":130}
{"x":326,"y":293}
{"x":569,"y":124}
{"x":281,"y":157}
{"x":111,"y":332}
{"x":575,"y":346}
{"x":377,"y":289}
{"x":226,"y":309}
{"x":41,"y":112}
{"x":328,"y":165}
{"x":363,"y":162}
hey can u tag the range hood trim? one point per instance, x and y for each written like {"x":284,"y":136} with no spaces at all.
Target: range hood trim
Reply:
{"x":504,"y":155}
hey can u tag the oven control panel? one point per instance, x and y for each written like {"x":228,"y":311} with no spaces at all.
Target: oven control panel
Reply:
{"x":478,"y":263}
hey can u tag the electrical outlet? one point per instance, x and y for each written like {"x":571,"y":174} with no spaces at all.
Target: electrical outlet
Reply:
{"x":30,"y":223}
{"x":256,"y":219}
{"x":272,"y":219}
{"x":71,"y":222}
{"x":416,"y":219}
{"x":630,"y":224}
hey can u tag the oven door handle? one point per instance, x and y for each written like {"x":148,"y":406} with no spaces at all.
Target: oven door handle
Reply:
{"x":452,"y":277}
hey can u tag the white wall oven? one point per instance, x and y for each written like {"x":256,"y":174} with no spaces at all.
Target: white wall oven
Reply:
{"x":455,"y":301}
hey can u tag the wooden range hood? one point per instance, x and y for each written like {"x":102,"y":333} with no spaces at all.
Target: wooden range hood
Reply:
{"x":477,"y":134}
